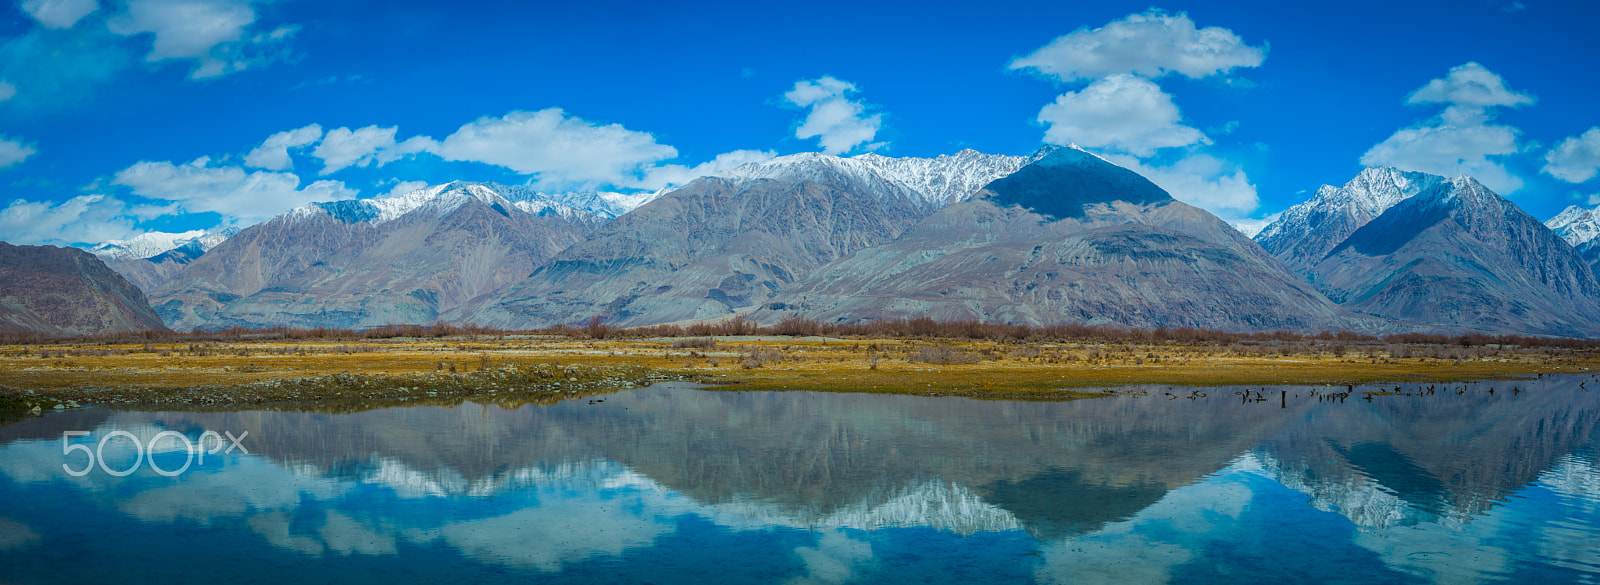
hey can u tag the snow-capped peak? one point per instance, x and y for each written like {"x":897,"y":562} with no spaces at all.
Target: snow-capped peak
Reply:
{"x":1363,"y":198}
{"x":927,"y":182}
{"x":448,"y":197}
{"x":150,"y":244}
{"x":1576,"y":225}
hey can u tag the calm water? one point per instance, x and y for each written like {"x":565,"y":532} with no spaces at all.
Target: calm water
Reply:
{"x":675,"y":485}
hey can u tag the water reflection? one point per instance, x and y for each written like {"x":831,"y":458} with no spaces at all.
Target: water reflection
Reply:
{"x":672,"y":484}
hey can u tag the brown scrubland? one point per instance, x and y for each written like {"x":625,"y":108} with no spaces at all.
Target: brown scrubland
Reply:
{"x":341,"y":369}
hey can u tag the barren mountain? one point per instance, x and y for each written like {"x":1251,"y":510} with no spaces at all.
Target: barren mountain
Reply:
{"x":1069,"y":238}
{"x":67,"y":291}
{"x":1458,"y":255}
{"x":409,"y":259}
{"x":725,"y":244}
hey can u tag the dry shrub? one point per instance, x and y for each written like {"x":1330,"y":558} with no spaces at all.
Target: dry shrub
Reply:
{"x":761,"y":357}
{"x":695,"y":342}
{"x":942,"y":354}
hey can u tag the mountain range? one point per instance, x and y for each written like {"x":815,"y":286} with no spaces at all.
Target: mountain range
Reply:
{"x":1061,"y":236}
{"x":1422,"y":249}
{"x":727,"y":244}
{"x":413,"y":258}
{"x":149,"y":260}
{"x":1073,"y":238}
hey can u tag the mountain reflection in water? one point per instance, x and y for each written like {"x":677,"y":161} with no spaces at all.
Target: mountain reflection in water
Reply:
{"x":676,"y":484}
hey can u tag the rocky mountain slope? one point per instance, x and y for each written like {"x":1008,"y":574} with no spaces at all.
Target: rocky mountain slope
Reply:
{"x":1454,"y":254}
{"x":1581,"y":228}
{"x":407,"y":259}
{"x":726,"y":243}
{"x":67,"y":291}
{"x":1069,"y":238}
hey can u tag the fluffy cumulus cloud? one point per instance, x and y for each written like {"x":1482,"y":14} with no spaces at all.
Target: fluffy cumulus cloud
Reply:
{"x":240,"y":195}
{"x":273,"y":153}
{"x":59,"y":13}
{"x":556,"y":151}
{"x":1576,"y":159}
{"x":343,"y":147}
{"x":1151,"y":44}
{"x":1121,"y":113}
{"x":13,"y":152}
{"x":403,"y":187}
{"x":1470,"y":86}
{"x":1124,"y":115}
{"x":664,"y":176}
{"x":838,"y":122}
{"x":560,"y":150}
{"x":1451,"y":151}
{"x":1200,"y":180}
{"x":82,"y":219}
{"x":1461,"y":140}
{"x":215,"y":34}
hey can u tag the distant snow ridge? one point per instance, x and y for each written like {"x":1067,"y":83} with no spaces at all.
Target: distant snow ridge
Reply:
{"x":1365,"y":197}
{"x":442,"y":199}
{"x":1576,"y":225}
{"x":930,"y":183}
{"x":152,"y":244}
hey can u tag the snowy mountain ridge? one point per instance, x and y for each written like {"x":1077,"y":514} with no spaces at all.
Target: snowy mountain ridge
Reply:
{"x":1363,"y":198}
{"x":447,"y":197}
{"x":930,"y":183}
{"x":151,"y":244}
{"x":1576,"y":225}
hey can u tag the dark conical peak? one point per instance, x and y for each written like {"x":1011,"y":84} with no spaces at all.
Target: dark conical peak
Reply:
{"x":1065,"y":180}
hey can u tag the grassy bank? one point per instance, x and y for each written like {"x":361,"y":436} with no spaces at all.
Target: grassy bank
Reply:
{"x":361,"y":373}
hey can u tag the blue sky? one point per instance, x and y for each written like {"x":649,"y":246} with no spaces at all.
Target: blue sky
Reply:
{"x":125,"y":116}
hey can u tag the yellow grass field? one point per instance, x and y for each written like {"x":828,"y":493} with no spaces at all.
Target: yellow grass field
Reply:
{"x":234,"y":374}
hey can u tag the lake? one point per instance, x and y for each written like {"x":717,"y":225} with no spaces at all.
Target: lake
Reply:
{"x":1441,"y":483}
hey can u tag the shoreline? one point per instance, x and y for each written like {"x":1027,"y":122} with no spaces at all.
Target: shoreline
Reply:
{"x":370,"y":374}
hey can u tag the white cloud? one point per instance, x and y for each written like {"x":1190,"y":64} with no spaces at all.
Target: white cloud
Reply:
{"x":1461,"y":140}
{"x":404,"y":187}
{"x":1200,"y":180}
{"x":1451,"y":151}
{"x":562,"y":150}
{"x":273,"y":153}
{"x":82,"y":219}
{"x":1576,"y":159}
{"x":838,"y":122}
{"x":343,"y":147}
{"x":238,"y":194}
{"x":7,"y":91}
{"x":1151,"y":44}
{"x":1127,"y":118}
{"x":1470,"y":85}
{"x":212,"y":33}
{"x":679,"y":175}
{"x":59,"y":13}
{"x":1121,"y":113}
{"x":13,"y":152}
